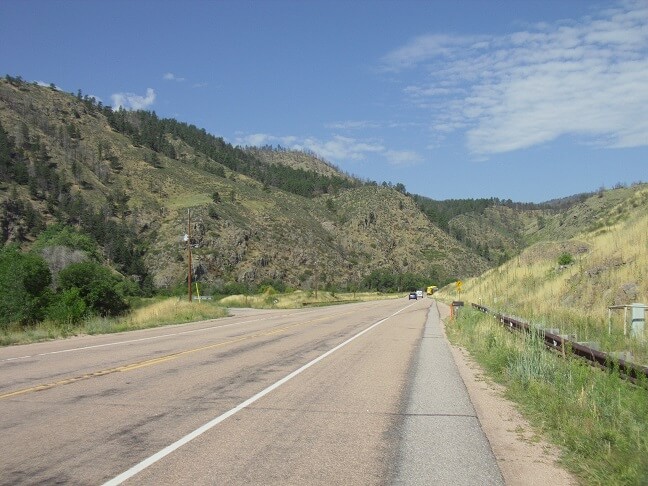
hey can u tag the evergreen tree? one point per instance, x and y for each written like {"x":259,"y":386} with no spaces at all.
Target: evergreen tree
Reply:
{"x":6,"y":148}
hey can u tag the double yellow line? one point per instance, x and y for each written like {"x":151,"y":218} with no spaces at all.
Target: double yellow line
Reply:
{"x":154,"y":361}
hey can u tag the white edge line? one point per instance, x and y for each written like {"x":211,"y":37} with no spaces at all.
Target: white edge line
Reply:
{"x":137,"y":468}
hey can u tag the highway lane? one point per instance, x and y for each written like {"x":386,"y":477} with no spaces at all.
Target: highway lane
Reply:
{"x":84,"y":411}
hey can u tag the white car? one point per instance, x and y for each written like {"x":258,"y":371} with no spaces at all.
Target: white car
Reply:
{"x":419,"y":294}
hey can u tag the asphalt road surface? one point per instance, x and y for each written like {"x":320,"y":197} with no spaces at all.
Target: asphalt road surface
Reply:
{"x":332,"y":395}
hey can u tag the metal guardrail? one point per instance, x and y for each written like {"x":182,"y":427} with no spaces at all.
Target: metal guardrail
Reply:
{"x":632,"y":371}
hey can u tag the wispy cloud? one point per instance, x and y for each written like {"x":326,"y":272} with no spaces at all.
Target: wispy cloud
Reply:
{"x":586,"y":78}
{"x":172,"y":77}
{"x":132,"y":101}
{"x":261,"y":139}
{"x":338,"y":149}
{"x":425,"y":48}
{"x":352,"y":125}
{"x":403,"y":158}
{"x":169,"y":76}
{"x":341,"y":148}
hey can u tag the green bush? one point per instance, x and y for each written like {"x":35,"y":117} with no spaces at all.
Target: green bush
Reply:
{"x":233,"y":288}
{"x":97,"y":285}
{"x":565,"y":259}
{"x":24,"y":280}
{"x":67,"y":307}
{"x":276,"y":286}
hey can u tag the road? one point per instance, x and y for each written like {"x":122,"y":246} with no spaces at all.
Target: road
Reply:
{"x":312,"y":396}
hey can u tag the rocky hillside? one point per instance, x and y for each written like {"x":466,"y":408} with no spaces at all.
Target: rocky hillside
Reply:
{"x":133,"y":181}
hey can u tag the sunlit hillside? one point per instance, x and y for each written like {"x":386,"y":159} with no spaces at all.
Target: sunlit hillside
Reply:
{"x":570,"y":283}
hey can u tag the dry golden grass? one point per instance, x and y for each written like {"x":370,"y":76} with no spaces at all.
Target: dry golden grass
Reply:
{"x":170,"y":311}
{"x":610,"y":267}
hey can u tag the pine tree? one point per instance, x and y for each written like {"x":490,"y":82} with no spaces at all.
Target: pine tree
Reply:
{"x":6,"y":148}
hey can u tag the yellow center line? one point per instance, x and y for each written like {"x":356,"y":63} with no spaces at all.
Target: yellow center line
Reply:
{"x":155,"y":361}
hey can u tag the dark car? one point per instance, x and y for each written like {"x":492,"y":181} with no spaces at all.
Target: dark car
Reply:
{"x":412,"y":295}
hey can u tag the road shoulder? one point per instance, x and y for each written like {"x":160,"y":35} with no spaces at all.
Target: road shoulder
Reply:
{"x":442,"y":441}
{"x":524,"y":458}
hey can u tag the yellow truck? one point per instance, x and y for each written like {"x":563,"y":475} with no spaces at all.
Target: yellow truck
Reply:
{"x":431,"y":289}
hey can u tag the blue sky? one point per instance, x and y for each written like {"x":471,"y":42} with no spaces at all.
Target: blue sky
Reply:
{"x":526,"y":100}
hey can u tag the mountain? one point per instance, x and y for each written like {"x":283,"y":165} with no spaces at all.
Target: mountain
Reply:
{"x":133,"y":181}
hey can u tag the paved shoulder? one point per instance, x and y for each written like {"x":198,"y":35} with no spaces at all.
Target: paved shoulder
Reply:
{"x":442,"y":440}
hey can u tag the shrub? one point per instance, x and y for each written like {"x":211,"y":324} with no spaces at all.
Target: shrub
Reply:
{"x":233,"y":288}
{"x":565,"y":259}
{"x":24,"y":280}
{"x":273,"y":286}
{"x":268,"y":290}
{"x":67,"y":308}
{"x":97,"y":286}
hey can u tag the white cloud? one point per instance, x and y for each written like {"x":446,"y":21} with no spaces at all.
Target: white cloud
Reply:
{"x":403,"y":158}
{"x":586,"y":78}
{"x":133,"y":101}
{"x":352,"y":125}
{"x":341,"y":148}
{"x":261,"y":139}
{"x":172,"y":77}
{"x":424,"y":48}
{"x":337,"y":148}
{"x":256,"y":140}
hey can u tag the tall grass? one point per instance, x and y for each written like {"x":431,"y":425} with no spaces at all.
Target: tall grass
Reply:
{"x":153,"y":314}
{"x":598,"y":419}
{"x":610,"y":267}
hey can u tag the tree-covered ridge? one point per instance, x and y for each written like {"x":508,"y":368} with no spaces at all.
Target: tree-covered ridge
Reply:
{"x":442,"y":212}
{"x":147,"y":129}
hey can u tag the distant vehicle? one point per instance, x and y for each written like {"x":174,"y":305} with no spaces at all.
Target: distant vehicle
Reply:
{"x":431,"y":289}
{"x":412,"y":295}
{"x":419,"y":294}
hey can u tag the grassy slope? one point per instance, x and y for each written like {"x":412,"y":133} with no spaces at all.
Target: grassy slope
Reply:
{"x":597,"y":419}
{"x":610,"y":268}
